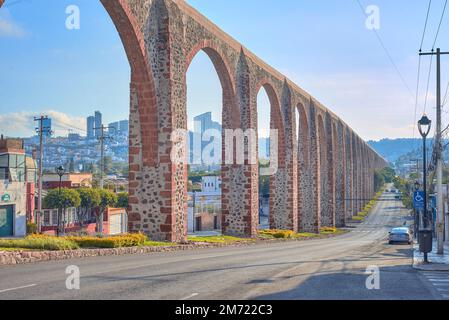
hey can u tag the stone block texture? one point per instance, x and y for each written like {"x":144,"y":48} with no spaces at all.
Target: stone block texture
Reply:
{"x":325,"y":170}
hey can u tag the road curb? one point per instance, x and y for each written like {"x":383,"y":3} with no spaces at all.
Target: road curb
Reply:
{"x":434,"y":265}
{"x":8,"y":258}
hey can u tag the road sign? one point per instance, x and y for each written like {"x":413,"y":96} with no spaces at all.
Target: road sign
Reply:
{"x":6,"y":198}
{"x":418,"y":200}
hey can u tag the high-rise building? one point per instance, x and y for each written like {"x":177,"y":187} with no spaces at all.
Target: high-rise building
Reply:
{"x":114,"y":128}
{"x":98,"y":123}
{"x":124,"y":127}
{"x":90,"y":127}
{"x":202,"y":123}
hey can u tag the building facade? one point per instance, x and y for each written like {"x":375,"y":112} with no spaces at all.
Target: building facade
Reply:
{"x":16,"y":188}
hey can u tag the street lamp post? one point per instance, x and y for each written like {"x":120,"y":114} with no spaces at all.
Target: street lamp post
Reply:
{"x":60,"y":171}
{"x":424,"y":126}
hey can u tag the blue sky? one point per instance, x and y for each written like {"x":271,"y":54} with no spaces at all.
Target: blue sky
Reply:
{"x":322,"y":45}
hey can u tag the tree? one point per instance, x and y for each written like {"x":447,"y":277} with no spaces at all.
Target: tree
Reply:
{"x":107,"y":199}
{"x":379,"y":180}
{"x":61,"y":200}
{"x":90,"y":199}
{"x":122,"y":200}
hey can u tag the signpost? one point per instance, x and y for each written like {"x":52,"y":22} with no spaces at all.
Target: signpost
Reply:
{"x":418,"y":200}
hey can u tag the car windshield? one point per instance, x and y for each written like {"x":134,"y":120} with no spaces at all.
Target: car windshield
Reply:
{"x":399,"y":230}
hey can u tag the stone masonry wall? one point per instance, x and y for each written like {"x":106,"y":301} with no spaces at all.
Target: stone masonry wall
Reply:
{"x":325,"y":174}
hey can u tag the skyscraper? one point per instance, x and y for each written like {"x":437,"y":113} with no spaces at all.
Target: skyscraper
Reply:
{"x":114,"y":128}
{"x":202,"y":123}
{"x":98,"y":123}
{"x":90,"y":127}
{"x":124,"y":127}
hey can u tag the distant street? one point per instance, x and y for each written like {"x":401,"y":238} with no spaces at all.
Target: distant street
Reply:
{"x":319,"y":269}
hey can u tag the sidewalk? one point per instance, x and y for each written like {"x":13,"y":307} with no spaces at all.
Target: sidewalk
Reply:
{"x":437,"y":262}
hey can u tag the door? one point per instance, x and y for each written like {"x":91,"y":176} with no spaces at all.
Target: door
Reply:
{"x":6,"y":221}
{"x":115,"y":224}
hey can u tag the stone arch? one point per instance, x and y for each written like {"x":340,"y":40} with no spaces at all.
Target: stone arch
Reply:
{"x":277,"y":157}
{"x":276,"y":121}
{"x":331,"y":168}
{"x":323,"y":170}
{"x":286,"y":176}
{"x":142,"y":83}
{"x":305,"y":204}
{"x":340,"y":173}
{"x":349,"y":174}
{"x":314,"y":223}
{"x":143,"y":123}
{"x":231,"y":113}
{"x":240,"y":192}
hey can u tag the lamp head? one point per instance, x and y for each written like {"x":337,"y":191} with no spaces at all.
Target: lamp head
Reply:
{"x":60,"y":171}
{"x":424,"y":126}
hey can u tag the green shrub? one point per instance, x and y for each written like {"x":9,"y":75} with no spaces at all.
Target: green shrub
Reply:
{"x":127,"y":240}
{"x":40,"y":243}
{"x":328,"y":230}
{"x":31,"y":228}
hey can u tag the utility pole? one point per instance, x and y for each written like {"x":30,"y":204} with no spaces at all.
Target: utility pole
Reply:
{"x":102,"y":139}
{"x":41,"y":131}
{"x":439,"y":155}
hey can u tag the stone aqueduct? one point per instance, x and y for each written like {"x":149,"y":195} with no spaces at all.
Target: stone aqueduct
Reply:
{"x":326,"y":171}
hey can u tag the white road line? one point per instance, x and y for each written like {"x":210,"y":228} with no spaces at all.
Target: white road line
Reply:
{"x":18,"y":288}
{"x":439,"y":280}
{"x":443,"y":290}
{"x":190,"y":297}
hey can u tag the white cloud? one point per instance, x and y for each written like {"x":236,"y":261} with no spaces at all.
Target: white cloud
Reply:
{"x":21,"y":124}
{"x":8,"y":28}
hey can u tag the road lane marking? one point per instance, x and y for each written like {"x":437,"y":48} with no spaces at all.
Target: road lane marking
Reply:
{"x":439,"y":280}
{"x":18,"y":288}
{"x":190,"y":297}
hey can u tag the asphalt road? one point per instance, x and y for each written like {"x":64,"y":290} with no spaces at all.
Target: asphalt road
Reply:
{"x":319,"y":269}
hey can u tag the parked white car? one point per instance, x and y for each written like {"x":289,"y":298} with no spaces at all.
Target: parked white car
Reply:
{"x":400,"y":235}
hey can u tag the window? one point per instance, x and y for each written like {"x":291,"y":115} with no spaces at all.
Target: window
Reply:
{"x":12,"y":167}
{"x":4,"y":160}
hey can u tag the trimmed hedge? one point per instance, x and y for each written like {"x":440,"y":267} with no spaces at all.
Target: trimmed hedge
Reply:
{"x":127,"y":240}
{"x":278,"y":234}
{"x":40,"y":243}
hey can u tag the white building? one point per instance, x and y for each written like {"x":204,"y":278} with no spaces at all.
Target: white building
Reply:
{"x":211,"y":184}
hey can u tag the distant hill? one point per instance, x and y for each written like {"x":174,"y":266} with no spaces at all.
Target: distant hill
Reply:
{"x":393,"y":149}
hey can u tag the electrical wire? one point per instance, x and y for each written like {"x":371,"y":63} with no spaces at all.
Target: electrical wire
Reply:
{"x":439,"y":25}
{"x":387,"y":52}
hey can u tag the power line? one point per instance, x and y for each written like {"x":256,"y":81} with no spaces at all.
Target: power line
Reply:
{"x":428,"y":83}
{"x":439,"y":26}
{"x":387,"y":53}
{"x":419,"y":68}
{"x":445,"y":100}
{"x":425,"y":25}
